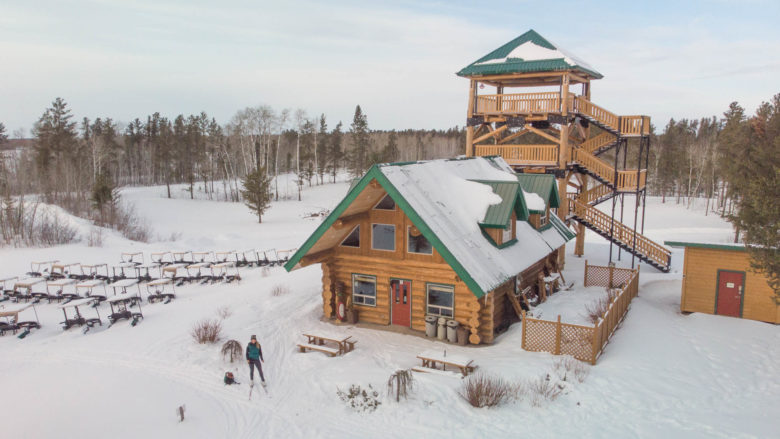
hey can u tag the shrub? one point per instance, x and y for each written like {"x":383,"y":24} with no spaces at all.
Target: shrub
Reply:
{"x":95,"y":238}
{"x":595,"y":311}
{"x":231,"y":348}
{"x":206,"y":331}
{"x":568,"y":368}
{"x":359,"y":399}
{"x":543,"y":389}
{"x":482,"y":390}
{"x":279,"y":290}
{"x":401,"y":383}
{"x":224,"y":312}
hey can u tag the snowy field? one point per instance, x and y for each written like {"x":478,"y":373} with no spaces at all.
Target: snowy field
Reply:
{"x":663,"y":374}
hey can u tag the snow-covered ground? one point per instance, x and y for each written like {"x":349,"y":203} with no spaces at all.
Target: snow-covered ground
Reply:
{"x":663,"y":374}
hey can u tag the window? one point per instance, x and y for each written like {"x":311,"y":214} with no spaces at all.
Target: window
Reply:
{"x":506,"y":235}
{"x":353,"y":239}
{"x":417,"y":243}
{"x":387,"y":203}
{"x":543,"y":218}
{"x":364,"y":290}
{"x":383,"y":237}
{"x":441,"y":300}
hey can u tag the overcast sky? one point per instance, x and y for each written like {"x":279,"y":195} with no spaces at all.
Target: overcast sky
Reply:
{"x":129,"y":58}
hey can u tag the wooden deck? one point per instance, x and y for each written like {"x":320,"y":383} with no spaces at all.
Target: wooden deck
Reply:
{"x":530,"y":104}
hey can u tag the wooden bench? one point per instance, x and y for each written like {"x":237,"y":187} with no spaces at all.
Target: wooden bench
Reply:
{"x":324,"y":349}
{"x":444,"y":373}
{"x":344,"y":343}
{"x":431,"y":358}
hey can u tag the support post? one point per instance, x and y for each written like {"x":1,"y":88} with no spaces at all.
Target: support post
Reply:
{"x":522,"y":339}
{"x":470,"y":113}
{"x":558,"y":336}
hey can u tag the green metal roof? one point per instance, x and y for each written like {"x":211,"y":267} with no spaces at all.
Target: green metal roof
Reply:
{"x":735,"y":247}
{"x":499,"y":61}
{"x":499,"y":215}
{"x":543,"y":185}
{"x":564,"y":231}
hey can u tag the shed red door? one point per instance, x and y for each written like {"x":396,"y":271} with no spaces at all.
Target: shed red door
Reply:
{"x":401,"y":302}
{"x":730,"y":288}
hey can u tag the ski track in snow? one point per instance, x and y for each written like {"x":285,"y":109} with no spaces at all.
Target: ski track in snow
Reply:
{"x":663,"y":374}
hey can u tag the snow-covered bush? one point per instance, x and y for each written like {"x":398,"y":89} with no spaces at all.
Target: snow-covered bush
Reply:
{"x":233,"y":349}
{"x":360,"y":399}
{"x":206,"y":331}
{"x":544,"y":389}
{"x":400,"y":383}
{"x":596,"y":310}
{"x":224,"y":312}
{"x":569,"y":368}
{"x":482,"y":390}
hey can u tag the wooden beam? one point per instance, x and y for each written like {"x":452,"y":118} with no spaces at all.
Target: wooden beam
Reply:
{"x":493,"y":133}
{"x":543,"y":134}
{"x":349,"y":220}
{"x":514,"y":136}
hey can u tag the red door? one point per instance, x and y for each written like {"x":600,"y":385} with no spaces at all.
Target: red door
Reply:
{"x":401,"y":302}
{"x":730,"y":288}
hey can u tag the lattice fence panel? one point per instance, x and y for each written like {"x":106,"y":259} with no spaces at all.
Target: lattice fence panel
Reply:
{"x":577,"y":341}
{"x":539,"y":335}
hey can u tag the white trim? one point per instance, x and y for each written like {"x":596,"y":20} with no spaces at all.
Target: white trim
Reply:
{"x":441,"y":287}
{"x":366,"y":278}
{"x":395,"y":205}
{"x":372,"y":237}
{"x":350,"y":234}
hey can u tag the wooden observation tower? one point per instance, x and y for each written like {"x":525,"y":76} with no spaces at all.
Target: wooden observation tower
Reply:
{"x":552,"y":129}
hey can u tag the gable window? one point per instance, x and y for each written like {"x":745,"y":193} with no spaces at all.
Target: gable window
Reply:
{"x":383,"y":237}
{"x":417,"y":243}
{"x":543,"y":218}
{"x":353,"y":239}
{"x":441,"y":300}
{"x":364,"y":290}
{"x":387,"y":203}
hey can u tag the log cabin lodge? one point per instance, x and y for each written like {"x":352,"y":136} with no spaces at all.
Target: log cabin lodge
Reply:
{"x":448,"y":238}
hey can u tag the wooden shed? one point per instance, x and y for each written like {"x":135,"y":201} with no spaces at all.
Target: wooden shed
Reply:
{"x":718,"y":279}
{"x":444,"y":238}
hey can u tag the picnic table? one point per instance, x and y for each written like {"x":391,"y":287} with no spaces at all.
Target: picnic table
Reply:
{"x":431,"y":358}
{"x":317,"y":342}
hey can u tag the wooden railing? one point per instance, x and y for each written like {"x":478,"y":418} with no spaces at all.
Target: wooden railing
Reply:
{"x":594,"y":164}
{"x":627,"y":180}
{"x":621,"y":232}
{"x":519,"y":103}
{"x":633,"y":126}
{"x":594,"y":193}
{"x":588,"y":108}
{"x":595,"y":143}
{"x":585,"y":343}
{"x":521,"y":154}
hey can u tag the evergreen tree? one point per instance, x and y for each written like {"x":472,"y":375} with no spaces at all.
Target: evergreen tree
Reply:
{"x":758,"y":191}
{"x":105,"y":197}
{"x":361,"y":148}
{"x":257,"y":192}
{"x":335,"y":153}
{"x":390,"y":152}
{"x":3,"y":135}
{"x":55,"y":137}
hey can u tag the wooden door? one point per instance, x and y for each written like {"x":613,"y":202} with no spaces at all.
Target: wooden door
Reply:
{"x":730,"y":289}
{"x":401,"y":302}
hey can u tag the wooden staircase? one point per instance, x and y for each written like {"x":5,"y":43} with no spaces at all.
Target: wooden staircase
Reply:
{"x":625,"y":237}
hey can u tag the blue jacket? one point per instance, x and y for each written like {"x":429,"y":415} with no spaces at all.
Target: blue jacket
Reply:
{"x":254,"y":351}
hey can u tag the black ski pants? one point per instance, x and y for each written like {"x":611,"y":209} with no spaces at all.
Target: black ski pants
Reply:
{"x":255,"y":364}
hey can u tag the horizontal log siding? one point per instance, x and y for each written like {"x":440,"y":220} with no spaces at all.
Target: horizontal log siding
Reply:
{"x":700,"y":284}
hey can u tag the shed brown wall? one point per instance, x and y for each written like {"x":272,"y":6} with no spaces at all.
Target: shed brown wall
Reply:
{"x":700,"y":283}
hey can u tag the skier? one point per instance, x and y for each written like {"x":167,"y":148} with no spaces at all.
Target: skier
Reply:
{"x":254,"y":357}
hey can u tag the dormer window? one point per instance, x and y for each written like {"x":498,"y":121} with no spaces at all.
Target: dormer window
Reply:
{"x":506,"y":235}
{"x":386,"y":203}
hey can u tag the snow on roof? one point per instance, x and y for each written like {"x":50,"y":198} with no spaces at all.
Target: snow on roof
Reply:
{"x":79,"y":302}
{"x":452,"y":207}
{"x":534,"y":201}
{"x":529,"y":51}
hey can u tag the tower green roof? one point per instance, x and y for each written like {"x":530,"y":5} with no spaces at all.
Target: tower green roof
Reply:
{"x":530,"y":52}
